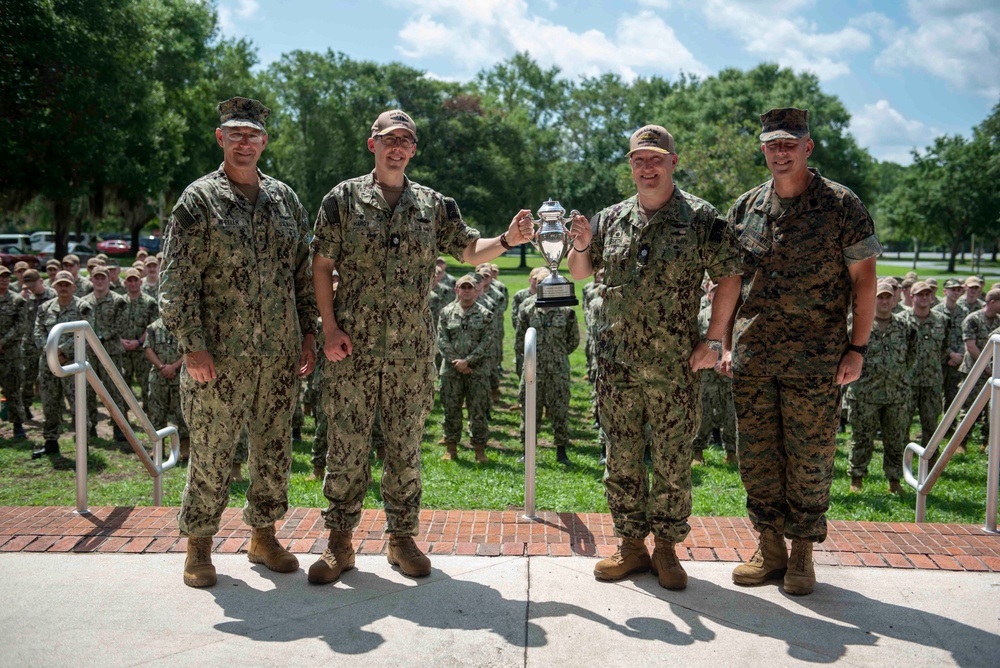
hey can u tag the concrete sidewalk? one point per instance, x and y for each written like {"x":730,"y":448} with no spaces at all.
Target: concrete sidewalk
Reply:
{"x":119,"y":609}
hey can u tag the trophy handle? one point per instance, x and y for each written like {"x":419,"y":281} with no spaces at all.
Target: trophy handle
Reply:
{"x":567,"y":222}
{"x":535,"y":224}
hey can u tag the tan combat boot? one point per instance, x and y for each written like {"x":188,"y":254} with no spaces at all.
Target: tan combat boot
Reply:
{"x":237,"y":473}
{"x":769,"y":561}
{"x":198,"y":568}
{"x":698,"y":458}
{"x":894,"y":487}
{"x":265,"y":549}
{"x":403,"y":552}
{"x":631,"y":557}
{"x":481,"y":457}
{"x":801,"y":576}
{"x":185,"y":453}
{"x":319,"y":473}
{"x":451,"y":452}
{"x":730,"y":458}
{"x":336,"y":558}
{"x":666,"y":566}
{"x":857,"y":483}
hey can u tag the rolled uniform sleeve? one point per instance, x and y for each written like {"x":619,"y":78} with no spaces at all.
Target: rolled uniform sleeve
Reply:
{"x":454,"y":236}
{"x":858,"y":238}
{"x":181,"y":279}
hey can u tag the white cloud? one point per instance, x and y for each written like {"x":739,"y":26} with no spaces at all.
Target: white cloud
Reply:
{"x":958,"y":42}
{"x":228,"y":13}
{"x":770,"y":30}
{"x":475,"y":35}
{"x":889,"y":135}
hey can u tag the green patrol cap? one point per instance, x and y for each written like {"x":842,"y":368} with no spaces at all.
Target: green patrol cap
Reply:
{"x":952,"y":283}
{"x":243,"y":112}
{"x":787,"y":123}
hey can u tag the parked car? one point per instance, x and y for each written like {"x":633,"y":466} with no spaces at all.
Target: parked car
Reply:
{"x":39,"y":240}
{"x":11,"y":255}
{"x":114,"y":247}
{"x":83,"y":251}
{"x":151,"y":244}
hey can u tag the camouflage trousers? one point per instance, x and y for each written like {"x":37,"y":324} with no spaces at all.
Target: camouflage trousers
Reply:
{"x":29,"y":382}
{"x":984,"y":417}
{"x":666,"y":399}
{"x":253,"y":392}
{"x":165,"y":402}
{"x":135,"y":370}
{"x":402,"y":389}
{"x":552,"y":394}
{"x":786,"y":445}
{"x":867,"y":419}
{"x":925,"y":401}
{"x":11,"y":379}
{"x":952,"y":379}
{"x":717,"y":412}
{"x":474,"y":391}
{"x":55,"y":393}
{"x":321,"y":437}
{"x":109,"y":384}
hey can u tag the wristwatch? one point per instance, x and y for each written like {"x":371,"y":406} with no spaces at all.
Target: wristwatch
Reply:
{"x":715,"y":345}
{"x":861,"y":350}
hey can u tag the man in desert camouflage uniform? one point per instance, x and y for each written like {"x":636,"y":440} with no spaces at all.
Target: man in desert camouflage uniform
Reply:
{"x":35,"y":293}
{"x":557,"y":335}
{"x":165,"y":359}
{"x":880,"y":399}
{"x":717,"y":408}
{"x":383,"y":233}
{"x":949,"y":308}
{"x":537,"y":274}
{"x":976,"y":330}
{"x":55,"y":391}
{"x":654,"y":248}
{"x":13,"y":322}
{"x":236,"y":291}
{"x":110,"y":312}
{"x":465,"y":334}
{"x":932,"y":352}
{"x":809,"y":250}
{"x":972,"y":300}
{"x":140,"y":313}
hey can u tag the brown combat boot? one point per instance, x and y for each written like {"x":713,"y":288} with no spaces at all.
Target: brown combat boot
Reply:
{"x":380,"y":452}
{"x":480,"y":449}
{"x":698,"y":458}
{"x":237,"y":473}
{"x":769,"y":561}
{"x":857,"y":483}
{"x":801,"y":576}
{"x":894,"y":487}
{"x":403,"y":552}
{"x":666,"y":566}
{"x":450,"y":452}
{"x":631,"y":557}
{"x":336,"y":558}
{"x":319,"y":473}
{"x":198,"y":568}
{"x":265,"y":549}
{"x":730,"y":458}
{"x":185,"y":453}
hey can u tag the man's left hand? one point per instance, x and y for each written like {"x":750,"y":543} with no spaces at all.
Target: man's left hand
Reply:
{"x":850,"y":367}
{"x":521,"y":229}
{"x":307,"y":359}
{"x":703,"y":357}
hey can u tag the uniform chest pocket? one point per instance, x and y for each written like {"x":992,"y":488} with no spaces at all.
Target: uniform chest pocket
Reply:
{"x":557,"y":320}
{"x":754,"y":244}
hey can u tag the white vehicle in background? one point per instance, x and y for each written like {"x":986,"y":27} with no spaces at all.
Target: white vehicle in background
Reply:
{"x":39,"y":240}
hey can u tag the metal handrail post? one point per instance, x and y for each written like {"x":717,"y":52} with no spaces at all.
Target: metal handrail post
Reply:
{"x":993,"y":463}
{"x":80,"y":412}
{"x":530,"y":408}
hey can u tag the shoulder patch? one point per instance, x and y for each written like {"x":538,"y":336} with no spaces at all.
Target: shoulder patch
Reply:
{"x":332,"y":210}
{"x":451,"y":209}
{"x":184,"y":217}
{"x":718,"y":230}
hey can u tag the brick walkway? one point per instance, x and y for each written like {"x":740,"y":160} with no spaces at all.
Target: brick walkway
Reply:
{"x":147,"y":529}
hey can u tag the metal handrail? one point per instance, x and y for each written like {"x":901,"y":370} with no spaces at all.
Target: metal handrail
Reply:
{"x":84,"y":334}
{"x":530,"y":414}
{"x":927,"y":476}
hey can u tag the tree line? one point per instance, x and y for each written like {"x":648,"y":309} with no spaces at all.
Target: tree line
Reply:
{"x":107,"y":112}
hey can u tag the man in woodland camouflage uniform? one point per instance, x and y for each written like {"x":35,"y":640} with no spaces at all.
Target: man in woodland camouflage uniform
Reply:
{"x":35,"y":293}
{"x":13,"y":322}
{"x":949,"y":308}
{"x":932,"y":353}
{"x":110,"y":312}
{"x":237,"y":293}
{"x":880,"y":399}
{"x":655,"y":248}
{"x":972,"y":300}
{"x":165,"y":359}
{"x":717,"y":408}
{"x":537,"y":274}
{"x":383,"y":233}
{"x":141,"y":312}
{"x":55,"y":391}
{"x":809,"y":250}
{"x":465,"y":335}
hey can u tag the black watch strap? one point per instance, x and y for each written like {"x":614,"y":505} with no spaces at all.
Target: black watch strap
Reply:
{"x":861,"y":350}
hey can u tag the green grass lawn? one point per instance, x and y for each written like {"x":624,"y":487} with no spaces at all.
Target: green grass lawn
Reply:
{"x":117,"y":478}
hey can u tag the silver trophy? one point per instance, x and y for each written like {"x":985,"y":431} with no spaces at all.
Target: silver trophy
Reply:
{"x":552,"y":242}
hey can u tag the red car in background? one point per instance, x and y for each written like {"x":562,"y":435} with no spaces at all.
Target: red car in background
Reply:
{"x":114,"y":247}
{"x":11,"y":255}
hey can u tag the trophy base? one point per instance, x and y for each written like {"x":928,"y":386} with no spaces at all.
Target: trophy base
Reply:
{"x":555,"y":293}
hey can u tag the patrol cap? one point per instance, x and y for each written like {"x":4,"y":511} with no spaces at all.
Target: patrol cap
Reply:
{"x":113,"y":264}
{"x":953,"y":283}
{"x":63,"y":277}
{"x":102,"y":257}
{"x":391,"y":120}
{"x":884,"y":288}
{"x":974,"y":281}
{"x":920,"y":286}
{"x":93,"y":262}
{"x":21,"y":266}
{"x":993,"y":295}
{"x":30,"y":276}
{"x":53,"y":263}
{"x":468,"y":279}
{"x":651,"y":138}
{"x":912,"y":274}
{"x":152,"y":259}
{"x":243,"y":112}
{"x":891,"y":280}
{"x":99,"y":270}
{"x":539,"y":273}
{"x":908,"y":282}
{"x":4,"y":270}
{"x":785,"y":123}
{"x":485,"y":271}
{"x":75,"y":259}
{"x":932,"y":281}
{"x":133,"y":273}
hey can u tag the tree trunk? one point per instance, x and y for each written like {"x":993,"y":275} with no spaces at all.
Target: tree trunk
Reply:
{"x":524,"y":256}
{"x":60,"y":224}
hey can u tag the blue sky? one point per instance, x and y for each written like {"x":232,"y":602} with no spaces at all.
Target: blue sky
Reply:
{"x":907,"y":71}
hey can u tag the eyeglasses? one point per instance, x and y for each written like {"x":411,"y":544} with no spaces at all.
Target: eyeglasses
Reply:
{"x":238,"y":137}
{"x":395,"y":140}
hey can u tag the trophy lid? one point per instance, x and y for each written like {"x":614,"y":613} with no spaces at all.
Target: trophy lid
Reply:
{"x":551,"y":208}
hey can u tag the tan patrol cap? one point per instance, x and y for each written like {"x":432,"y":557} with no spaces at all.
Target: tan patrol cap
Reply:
{"x":884,"y":288}
{"x":53,"y":263}
{"x":21,"y":266}
{"x":468,"y":279}
{"x":99,"y":270}
{"x":651,"y":138}
{"x":64,"y":277}
{"x":151,"y":260}
{"x":391,"y":120}
{"x":920,"y":286}
{"x":974,"y":281}
{"x":30,"y":275}
{"x":133,"y":273}
{"x":952,"y":283}
{"x":75,"y":259}
{"x":4,"y":270}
